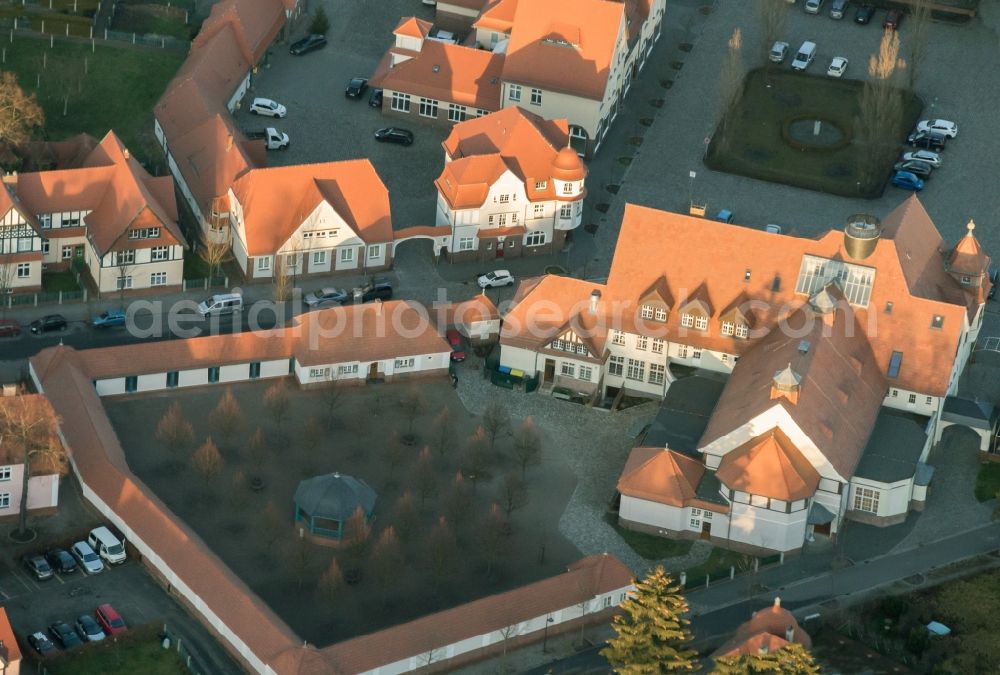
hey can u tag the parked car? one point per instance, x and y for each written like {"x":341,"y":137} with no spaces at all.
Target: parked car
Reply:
{"x":916,"y":167}
{"x":38,"y":566}
{"x":931,"y":158}
{"x":907,"y":181}
{"x":41,"y":644}
{"x":326,"y":297}
{"x":455,"y":340}
{"x":375,"y":99}
{"x":893,"y":18}
{"x":778,"y":52}
{"x":813,"y":6}
{"x":89,"y":561}
{"x":110,"y":620}
{"x":356,"y":87}
{"x":9,"y":328}
{"x":107,"y":545}
{"x":495,"y":278}
{"x":307,"y":44}
{"x":838,"y":8}
{"x":378,"y":289}
{"x":928,"y":140}
{"x":273,"y":139}
{"x":837,"y":66}
{"x":48,"y":323}
{"x":805,"y":55}
{"x":64,"y":635}
{"x":943,"y":127}
{"x":112,"y":317}
{"x":394,"y":135}
{"x":864,"y":14}
{"x":88,"y":629}
{"x":60,"y":561}
{"x":267,"y":107}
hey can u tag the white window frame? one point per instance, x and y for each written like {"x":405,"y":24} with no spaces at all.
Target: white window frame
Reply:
{"x":158,"y":279}
{"x":635,"y":370}
{"x":641,"y":342}
{"x":742,"y":331}
{"x":657,"y":373}
{"x":514,"y":92}
{"x":350,"y":369}
{"x":568,"y":369}
{"x":687,"y":320}
{"x":4,"y":500}
{"x":318,"y":258}
{"x":402,"y":364}
{"x":701,"y":322}
{"x":400,"y":102}
{"x":428,"y":108}
{"x":347,"y":255}
{"x":646,"y":311}
{"x":536,"y":97}
{"x":618,"y":338}
{"x":535,"y":238}
{"x":616,"y":365}
{"x":5,"y":473}
{"x":374,"y":251}
{"x":159,"y":253}
{"x":123,"y":282}
{"x":565,"y":211}
{"x":660,"y":314}
{"x":264,"y":263}
{"x":866,"y":499}
{"x":538,"y":210}
{"x":728,"y":328}
{"x":658,"y":345}
{"x":466,"y":243}
{"x":67,"y":252}
{"x":456,"y":113}
{"x":541,"y":184}
{"x":23,"y":270}
{"x":585,"y":373}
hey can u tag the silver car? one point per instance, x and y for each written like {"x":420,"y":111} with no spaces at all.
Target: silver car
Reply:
{"x":85,"y":556}
{"x":326,"y":297}
{"x":928,"y":156}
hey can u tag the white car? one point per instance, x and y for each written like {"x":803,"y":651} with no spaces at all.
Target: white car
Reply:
{"x":265,"y":106}
{"x":944,"y":127}
{"x":928,"y":156}
{"x":778,"y":51}
{"x":837,"y":66}
{"x":496,"y":278}
{"x":86,"y":558}
{"x":805,"y":55}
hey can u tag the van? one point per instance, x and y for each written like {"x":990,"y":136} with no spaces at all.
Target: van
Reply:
{"x":812,"y":6}
{"x":223,"y":303}
{"x":106,"y":545}
{"x":805,"y":56}
{"x":838,"y":8}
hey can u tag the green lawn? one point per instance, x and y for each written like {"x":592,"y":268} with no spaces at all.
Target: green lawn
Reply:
{"x":141,"y":654}
{"x":148,"y":20}
{"x":118,"y":91}
{"x":988,"y":481}
{"x":770,"y":132}
{"x":649,"y":546}
{"x":59,"y":281}
{"x":719,"y":562}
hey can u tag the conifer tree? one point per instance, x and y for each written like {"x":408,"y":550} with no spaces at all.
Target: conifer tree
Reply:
{"x":792,"y":659}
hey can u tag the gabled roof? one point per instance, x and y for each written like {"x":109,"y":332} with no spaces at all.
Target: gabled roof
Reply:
{"x":658,"y":290}
{"x":411,"y":26}
{"x":465,"y":182}
{"x":497,"y":15}
{"x":255,"y":22}
{"x":565,"y":304}
{"x":771,"y":466}
{"x":448,"y":73}
{"x":277,"y":200}
{"x":564,"y":45}
{"x":661,"y":475}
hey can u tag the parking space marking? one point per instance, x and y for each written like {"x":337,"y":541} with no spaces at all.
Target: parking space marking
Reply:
{"x":30,"y":585}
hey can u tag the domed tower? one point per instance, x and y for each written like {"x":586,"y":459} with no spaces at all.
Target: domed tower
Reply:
{"x":861,"y":235}
{"x":968,"y":264}
{"x":568,"y":175}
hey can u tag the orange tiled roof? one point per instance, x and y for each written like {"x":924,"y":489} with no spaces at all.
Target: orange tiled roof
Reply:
{"x":277,"y":200}
{"x":769,"y":465}
{"x":661,"y":475}
{"x":566,"y":305}
{"x":564,"y":45}
{"x":968,"y":256}
{"x":448,"y":73}
{"x":465,"y":182}
{"x":411,"y":26}
{"x":10,"y":651}
{"x":255,"y":22}
{"x":755,"y":644}
{"x":772,"y":621}
{"x":497,"y":15}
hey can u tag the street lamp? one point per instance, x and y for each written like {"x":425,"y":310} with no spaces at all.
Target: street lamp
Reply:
{"x":545,"y":638}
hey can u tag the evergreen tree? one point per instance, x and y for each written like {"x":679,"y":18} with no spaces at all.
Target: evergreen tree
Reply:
{"x":652,"y":632}
{"x":792,"y":659}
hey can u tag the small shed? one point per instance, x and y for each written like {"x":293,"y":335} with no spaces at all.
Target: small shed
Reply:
{"x":325,"y":503}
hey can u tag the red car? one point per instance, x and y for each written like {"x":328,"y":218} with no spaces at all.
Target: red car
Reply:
{"x":455,"y":340}
{"x":9,"y":328}
{"x":893,"y":18}
{"x":110,"y":620}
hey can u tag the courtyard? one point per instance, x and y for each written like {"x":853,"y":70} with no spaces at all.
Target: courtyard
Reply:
{"x":436,"y":540}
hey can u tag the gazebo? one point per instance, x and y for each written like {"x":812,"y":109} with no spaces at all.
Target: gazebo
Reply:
{"x":324,"y":503}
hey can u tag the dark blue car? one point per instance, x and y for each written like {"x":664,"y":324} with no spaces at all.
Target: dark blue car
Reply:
{"x":110,"y":318}
{"x":907,"y":181}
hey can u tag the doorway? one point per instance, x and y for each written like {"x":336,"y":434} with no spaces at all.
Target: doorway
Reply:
{"x":499,"y":249}
{"x":706,"y":529}
{"x":550,"y":370}
{"x":373,"y":371}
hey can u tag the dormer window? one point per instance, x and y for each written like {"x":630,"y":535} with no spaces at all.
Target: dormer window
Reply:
{"x":646,"y":311}
{"x":619,"y":338}
{"x":541,"y":184}
{"x":660,"y":314}
{"x":742,"y":331}
{"x":701,"y":322}
{"x":567,"y":188}
{"x":966,"y":280}
{"x":728,"y":328}
{"x":687,"y":320}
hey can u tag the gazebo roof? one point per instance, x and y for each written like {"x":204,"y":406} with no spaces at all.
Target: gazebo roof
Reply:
{"x":334,"y":496}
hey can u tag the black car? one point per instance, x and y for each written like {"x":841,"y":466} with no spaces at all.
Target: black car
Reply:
{"x":307,"y":44}
{"x":929,"y":140}
{"x":64,"y":635}
{"x":377,"y":289}
{"x":49,"y":322}
{"x":394,"y":135}
{"x":916,"y":167}
{"x":40,"y":643}
{"x":356,"y":87}
{"x":61,"y":561}
{"x":38,"y":566}
{"x":375,"y":100}
{"x":864,"y":14}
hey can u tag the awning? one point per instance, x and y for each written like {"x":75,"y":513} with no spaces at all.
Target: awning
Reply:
{"x":819,"y":515}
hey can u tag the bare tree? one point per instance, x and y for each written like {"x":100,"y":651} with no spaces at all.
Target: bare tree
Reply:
{"x":302,"y":555}
{"x":207,"y":460}
{"x":475,"y":455}
{"x":586,"y":588}
{"x":496,"y":421}
{"x":527,"y":445}
{"x":387,"y":558}
{"x":272,"y":523}
{"x":918,"y":38}
{"x":406,"y":517}
{"x":20,"y":113}
{"x":432,"y":655}
{"x":283,"y":278}
{"x":424,"y":476}
{"x":442,"y":432}
{"x":881,"y":108}
{"x":457,"y":500}
{"x":124,"y":262}
{"x":331,"y":582}
{"x":259,"y":447}
{"x":393,"y":453}
{"x":276,"y":401}
{"x":238,"y":486}
{"x":492,"y":537}
{"x":312,"y":434}
{"x":28,"y":435}
{"x":772,"y":17}
{"x":357,"y":535}
{"x":332,"y":393}
{"x":730,"y":86}
{"x":8,"y":272}
{"x":442,"y":551}
{"x":412,"y":404}
{"x":215,"y":253}
{"x":227,"y":418}
{"x":512,"y":493}
{"x":174,"y":429}
{"x":67,"y":75}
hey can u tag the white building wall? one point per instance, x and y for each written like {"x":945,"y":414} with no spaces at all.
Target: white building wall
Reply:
{"x":894,"y":498}
{"x":519,"y":358}
{"x":43,"y":491}
{"x":579,"y":111}
{"x":758,"y":526}
{"x":653,"y":514}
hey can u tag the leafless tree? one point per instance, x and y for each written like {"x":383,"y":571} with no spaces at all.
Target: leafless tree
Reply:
{"x":442,"y":550}
{"x":730,"y":85}
{"x":918,"y":39}
{"x":475,"y":455}
{"x":227,"y":418}
{"x":586,"y":588}
{"x":8,"y":272}
{"x":424,"y":476}
{"x":881,"y":107}
{"x":124,"y":264}
{"x":443,"y":433}
{"x":527,"y":445}
{"x":412,"y":404}
{"x":496,"y":421}
{"x":492,"y":537}
{"x":302,"y":554}
{"x":393,"y":453}
{"x":207,"y":460}
{"x":312,"y":434}
{"x":458,"y":499}
{"x":277,"y":402}
{"x":406,"y":517}
{"x":174,"y":429}
{"x":432,"y":655}
{"x":28,"y":435}
{"x":357,"y":534}
{"x":772,"y":17}
{"x":215,"y":252}
{"x":510,"y":630}
{"x":512,"y":493}
{"x":67,"y":76}
{"x":20,"y":113}
{"x":331,"y":582}
{"x":281,"y":279}
{"x":259,"y":447}
{"x":238,"y":486}
{"x":332,"y":394}
{"x":387,"y":558}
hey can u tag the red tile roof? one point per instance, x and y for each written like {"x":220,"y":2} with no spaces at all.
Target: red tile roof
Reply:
{"x":497,"y":15}
{"x":968,"y":257}
{"x":771,"y":466}
{"x":564,"y":45}
{"x":411,"y":26}
{"x":10,"y":651}
{"x":772,"y":621}
{"x":661,"y":475}
{"x":465,"y":182}
{"x":590,"y":576}
{"x":256,"y":24}
{"x":448,"y":73}
{"x":276,"y":201}
{"x":546,"y":306}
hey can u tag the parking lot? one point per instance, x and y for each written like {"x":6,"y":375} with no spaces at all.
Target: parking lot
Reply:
{"x":951,"y":85}
{"x":323,"y":125}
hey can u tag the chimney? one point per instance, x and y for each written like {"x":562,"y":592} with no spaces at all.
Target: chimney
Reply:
{"x":10,"y":178}
{"x":125,"y":152}
{"x":595,"y":296}
{"x":790,"y":634}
